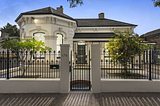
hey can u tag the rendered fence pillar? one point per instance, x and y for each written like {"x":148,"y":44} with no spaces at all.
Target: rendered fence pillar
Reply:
{"x":64,"y":69}
{"x":95,"y":72}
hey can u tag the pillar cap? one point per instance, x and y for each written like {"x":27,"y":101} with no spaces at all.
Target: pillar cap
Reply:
{"x":65,"y":45}
{"x":95,"y":45}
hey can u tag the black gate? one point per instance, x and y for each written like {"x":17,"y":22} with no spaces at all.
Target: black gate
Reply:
{"x":80,"y":73}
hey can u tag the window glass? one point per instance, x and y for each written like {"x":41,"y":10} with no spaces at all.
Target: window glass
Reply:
{"x":59,"y":41}
{"x":39,"y":36}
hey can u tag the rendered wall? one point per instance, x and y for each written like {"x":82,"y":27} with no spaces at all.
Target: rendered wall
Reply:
{"x":30,"y":86}
{"x":130,"y":85}
{"x":50,"y":25}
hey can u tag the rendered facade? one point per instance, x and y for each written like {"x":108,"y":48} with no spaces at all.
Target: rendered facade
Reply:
{"x":54,"y":28}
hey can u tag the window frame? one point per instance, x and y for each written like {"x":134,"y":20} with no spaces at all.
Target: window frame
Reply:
{"x":41,"y":57}
{"x":57,"y":40}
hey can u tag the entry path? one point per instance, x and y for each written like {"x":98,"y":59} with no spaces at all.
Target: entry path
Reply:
{"x":81,"y":99}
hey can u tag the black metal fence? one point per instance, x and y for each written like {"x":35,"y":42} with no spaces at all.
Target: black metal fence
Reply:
{"x":142,"y":66}
{"x":46,"y":65}
{"x":39,"y":65}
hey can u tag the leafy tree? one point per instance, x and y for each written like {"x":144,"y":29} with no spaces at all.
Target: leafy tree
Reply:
{"x":74,"y":3}
{"x":156,"y":3}
{"x":125,"y":45}
{"x":20,"y":47}
{"x":12,"y":30}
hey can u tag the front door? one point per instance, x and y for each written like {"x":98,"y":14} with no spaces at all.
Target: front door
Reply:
{"x":81,"y":56}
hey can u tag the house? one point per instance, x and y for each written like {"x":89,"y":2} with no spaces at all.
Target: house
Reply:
{"x":54,"y":27}
{"x":153,"y":37}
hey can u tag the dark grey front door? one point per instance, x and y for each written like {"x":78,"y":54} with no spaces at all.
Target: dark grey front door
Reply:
{"x":81,"y":56}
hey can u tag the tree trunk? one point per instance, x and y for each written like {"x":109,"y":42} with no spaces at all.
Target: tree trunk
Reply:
{"x":27,"y":66}
{"x":23,"y":68}
{"x":124,"y":64}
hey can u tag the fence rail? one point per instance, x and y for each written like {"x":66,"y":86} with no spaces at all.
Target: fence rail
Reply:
{"x":40,"y":65}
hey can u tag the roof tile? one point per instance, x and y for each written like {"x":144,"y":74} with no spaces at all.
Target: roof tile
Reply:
{"x":100,"y":23}
{"x":47,"y":10}
{"x":80,"y":22}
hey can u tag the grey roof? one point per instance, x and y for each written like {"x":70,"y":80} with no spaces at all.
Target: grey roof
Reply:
{"x":151,"y":33}
{"x":92,"y":35}
{"x":80,"y":22}
{"x":100,"y":23}
{"x":47,"y":10}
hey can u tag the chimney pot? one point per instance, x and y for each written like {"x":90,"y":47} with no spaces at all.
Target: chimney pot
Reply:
{"x":101,"y":15}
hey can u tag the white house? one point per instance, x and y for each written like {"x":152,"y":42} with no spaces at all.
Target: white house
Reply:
{"x":55,"y":28}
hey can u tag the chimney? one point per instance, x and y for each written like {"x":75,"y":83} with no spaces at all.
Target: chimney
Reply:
{"x":60,"y":9}
{"x":101,"y":15}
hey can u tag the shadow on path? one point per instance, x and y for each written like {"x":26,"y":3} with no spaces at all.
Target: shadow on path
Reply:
{"x":80,"y":99}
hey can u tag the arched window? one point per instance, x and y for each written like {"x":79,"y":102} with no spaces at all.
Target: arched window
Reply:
{"x":39,"y":36}
{"x":59,"y":41}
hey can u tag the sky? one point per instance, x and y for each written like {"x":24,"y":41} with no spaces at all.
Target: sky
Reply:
{"x":139,"y":12}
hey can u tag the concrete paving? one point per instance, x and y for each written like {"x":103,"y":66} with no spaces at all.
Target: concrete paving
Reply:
{"x":81,"y":99}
